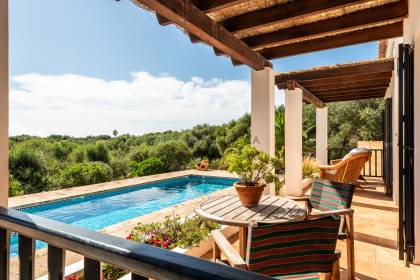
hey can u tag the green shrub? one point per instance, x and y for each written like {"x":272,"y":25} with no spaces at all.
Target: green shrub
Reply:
{"x":15,"y":188}
{"x":120,"y":168}
{"x":29,"y":168}
{"x":175,"y":153}
{"x":97,"y":152}
{"x":149,"y":166}
{"x":110,"y":272}
{"x":78,"y":155}
{"x":79,"y":174}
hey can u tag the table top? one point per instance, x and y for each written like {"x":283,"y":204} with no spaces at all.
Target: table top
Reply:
{"x":228,"y":210}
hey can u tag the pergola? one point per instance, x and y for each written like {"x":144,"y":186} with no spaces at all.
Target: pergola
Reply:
{"x":253,"y":32}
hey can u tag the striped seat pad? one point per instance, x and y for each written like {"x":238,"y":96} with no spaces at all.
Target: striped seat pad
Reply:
{"x":293,"y":248}
{"x":328,"y":195}
{"x":306,"y":276}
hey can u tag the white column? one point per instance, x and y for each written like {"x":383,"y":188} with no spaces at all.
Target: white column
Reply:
{"x":4,"y":104}
{"x":262,"y":113}
{"x":293,"y":142}
{"x":322,"y":135}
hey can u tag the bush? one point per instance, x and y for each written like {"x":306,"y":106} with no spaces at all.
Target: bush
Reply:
{"x":149,"y":166}
{"x":110,"y":272}
{"x":29,"y":168}
{"x":78,"y":155}
{"x":79,"y":174}
{"x":120,"y":168}
{"x":309,"y":167}
{"x":97,"y":152}
{"x":15,"y":188}
{"x":175,"y":153}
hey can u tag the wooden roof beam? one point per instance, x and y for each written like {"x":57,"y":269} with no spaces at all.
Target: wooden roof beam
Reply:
{"x":208,"y":7}
{"x":355,"y":98}
{"x":284,"y":12}
{"x":344,"y":70}
{"x":345,"y":92}
{"x":381,"y":14}
{"x":307,"y":96}
{"x":335,"y":41}
{"x":343,"y":85}
{"x":361,"y":78}
{"x":196,"y":22}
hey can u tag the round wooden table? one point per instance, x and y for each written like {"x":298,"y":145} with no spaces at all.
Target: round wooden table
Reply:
{"x":228,"y":210}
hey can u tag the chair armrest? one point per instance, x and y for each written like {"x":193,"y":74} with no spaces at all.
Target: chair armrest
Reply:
{"x":227,"y":249}
{"x":298,"y":198}
{"x":335,"y":161}
{"x":332,"y":212}
{"x":327,"y":167}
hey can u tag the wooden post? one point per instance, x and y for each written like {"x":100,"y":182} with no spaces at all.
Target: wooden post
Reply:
{"x":4,"y":103}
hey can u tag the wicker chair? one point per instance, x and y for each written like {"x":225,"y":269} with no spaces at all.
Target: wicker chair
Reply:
{"x":203,"y":165}
{"x":327,"y":196}
{"x":293,"y":250}
{"x":346,"y":170}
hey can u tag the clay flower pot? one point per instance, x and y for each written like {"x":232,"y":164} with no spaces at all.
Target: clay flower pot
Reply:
{"x":249,"y":195}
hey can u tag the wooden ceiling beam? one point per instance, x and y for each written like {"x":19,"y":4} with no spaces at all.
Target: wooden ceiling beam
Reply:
{"x":339,"y":80}
{"x":354,"y":98}
{"x":335,"y":41}
{"x":347,"y":89}
{"x":343,"y":85}
{"x":344,"y":70}
{"x":381,"y":14}
{"x":307,"y":96}
{"x":351,"y":94}
{"x":207,"y":7}
{"x":348,"y":92}
{"x":196,"y":22}
{"x":284,"y":12}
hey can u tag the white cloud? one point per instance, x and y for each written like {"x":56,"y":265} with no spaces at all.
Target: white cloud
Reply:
{"x":79,"y":105}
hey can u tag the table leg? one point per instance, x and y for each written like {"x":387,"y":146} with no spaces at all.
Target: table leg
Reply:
{"x":243,"y":232}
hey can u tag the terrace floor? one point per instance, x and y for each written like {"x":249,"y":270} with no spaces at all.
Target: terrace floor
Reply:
{"x":376,"y":224}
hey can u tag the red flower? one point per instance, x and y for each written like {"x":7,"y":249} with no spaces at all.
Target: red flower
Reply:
{"x":71,"y":277}
{"x":156,"y":242}
{"x":129,"y":236}
{"x":165,"y":244}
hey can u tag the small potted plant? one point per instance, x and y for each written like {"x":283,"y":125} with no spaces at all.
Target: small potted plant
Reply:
{"x":255,"y":168}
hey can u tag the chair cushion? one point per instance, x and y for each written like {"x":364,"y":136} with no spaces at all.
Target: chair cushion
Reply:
{"x":327,"y":195}
{"x":355,"y":151}
{"x":305,"y":276}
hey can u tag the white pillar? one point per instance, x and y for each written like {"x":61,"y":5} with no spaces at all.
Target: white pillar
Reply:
{"x":262,"y":113}
{"x":4,"y":104}
{"x":293,"y":142}
{"x":322,"y":135}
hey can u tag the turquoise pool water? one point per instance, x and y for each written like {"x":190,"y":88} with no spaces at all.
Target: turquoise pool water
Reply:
{"x":97,"y":211}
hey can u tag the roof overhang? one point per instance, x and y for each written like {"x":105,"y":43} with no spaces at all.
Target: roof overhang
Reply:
{"x":252,"y":32}
{"x":343,"y":82}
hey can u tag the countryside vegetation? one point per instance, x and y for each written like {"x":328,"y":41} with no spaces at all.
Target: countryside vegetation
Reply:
{"x":42,"y":164}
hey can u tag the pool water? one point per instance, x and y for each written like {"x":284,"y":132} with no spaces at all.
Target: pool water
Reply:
{"x":97,"y":211}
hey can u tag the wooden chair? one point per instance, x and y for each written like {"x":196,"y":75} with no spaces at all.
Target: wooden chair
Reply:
{"x":293,"y":250}
{"x":346,"y":170}
{"x":203,"y":165}
{"x":328,"y":197}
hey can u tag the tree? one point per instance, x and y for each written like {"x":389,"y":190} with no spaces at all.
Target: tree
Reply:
{"x":98,"y":152}
{"x":115,"y":133}
{"x":175,"y":153}
{"x":149,"y":166}
{"x":79,"y":174}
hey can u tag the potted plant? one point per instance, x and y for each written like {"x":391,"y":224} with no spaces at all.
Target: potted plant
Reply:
{"x":255,"y":168}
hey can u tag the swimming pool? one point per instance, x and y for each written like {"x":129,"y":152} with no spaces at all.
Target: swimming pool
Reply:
{"x":97,"y":211}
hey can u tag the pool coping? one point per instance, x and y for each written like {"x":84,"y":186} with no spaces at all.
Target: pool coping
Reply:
{"x":35,"y":199}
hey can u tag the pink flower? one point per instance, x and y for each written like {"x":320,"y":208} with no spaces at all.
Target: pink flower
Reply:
{"x":165,"y":244}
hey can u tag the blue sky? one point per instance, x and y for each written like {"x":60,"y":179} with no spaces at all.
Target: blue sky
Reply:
{"x":98,"y":45}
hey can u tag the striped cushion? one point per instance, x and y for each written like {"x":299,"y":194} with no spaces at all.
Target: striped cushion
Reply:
{"x":306,"y":276}
{"x":293,"y":248}
{"x":327,"y":195}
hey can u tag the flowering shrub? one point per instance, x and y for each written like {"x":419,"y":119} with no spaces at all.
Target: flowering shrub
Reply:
{"x":172,"y":232}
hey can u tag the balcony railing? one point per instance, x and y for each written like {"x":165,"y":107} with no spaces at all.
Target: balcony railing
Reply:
{"x":144,"y":261}
{"x":373,"y":168}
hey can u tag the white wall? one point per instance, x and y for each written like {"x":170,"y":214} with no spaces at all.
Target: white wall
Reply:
{"x":412,"y":36}
{"x":4,"y":104}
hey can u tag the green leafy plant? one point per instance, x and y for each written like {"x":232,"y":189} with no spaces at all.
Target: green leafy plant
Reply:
{"x":252,"y":165}
{"x":79,"y":174}
{"x":150,"y":166}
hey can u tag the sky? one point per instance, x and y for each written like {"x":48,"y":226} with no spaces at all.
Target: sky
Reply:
{"x":83,"y":68}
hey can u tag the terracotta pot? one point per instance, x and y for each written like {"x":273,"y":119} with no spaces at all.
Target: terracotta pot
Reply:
{"x":249,"y":196}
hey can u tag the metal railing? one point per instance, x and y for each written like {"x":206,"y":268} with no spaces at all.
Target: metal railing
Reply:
{"x":373,"y":168}
{"x":142,"y":260}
